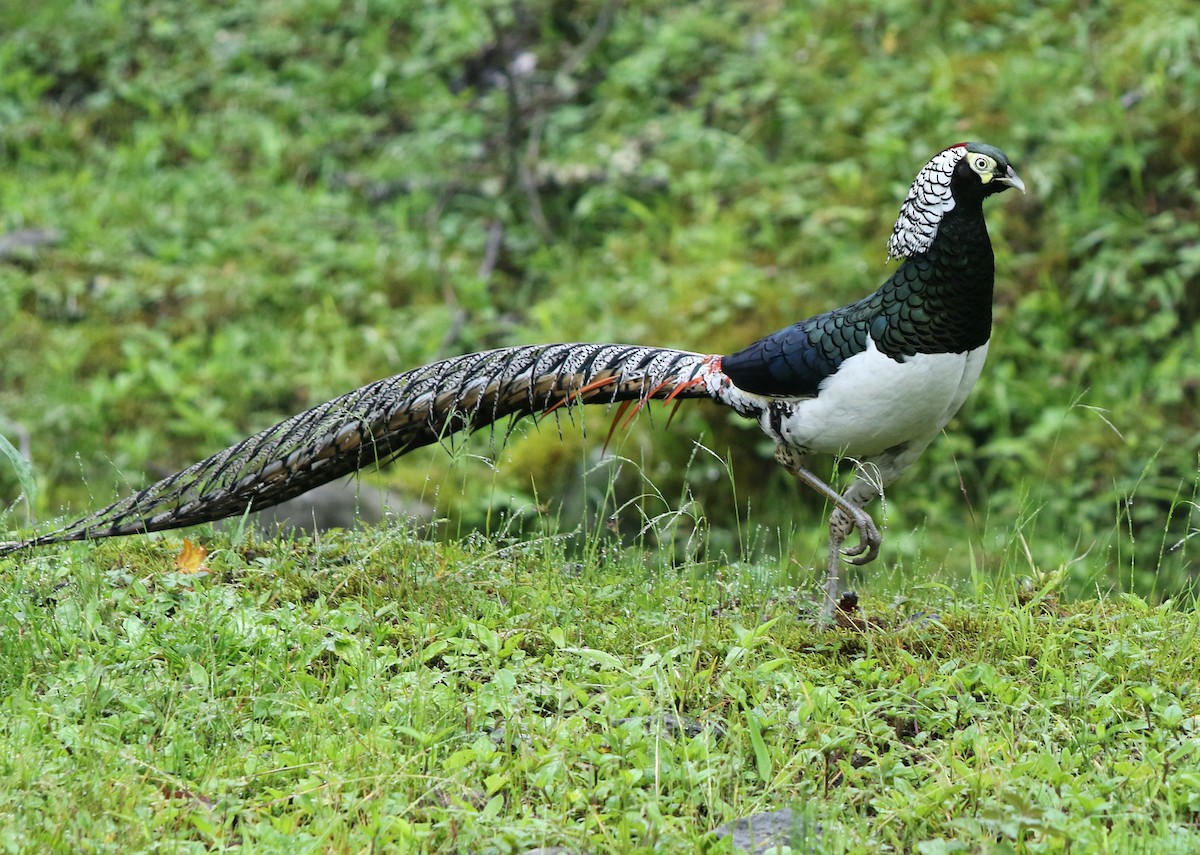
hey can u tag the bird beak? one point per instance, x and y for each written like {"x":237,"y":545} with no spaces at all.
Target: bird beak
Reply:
{"x":1011,"y":179}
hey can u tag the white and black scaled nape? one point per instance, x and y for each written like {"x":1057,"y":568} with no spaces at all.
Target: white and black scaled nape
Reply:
{"x":930,"y":199}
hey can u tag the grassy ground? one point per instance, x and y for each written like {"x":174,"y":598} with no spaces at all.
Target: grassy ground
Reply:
{"x":231,"y":211}
{"x":377,"y":692}
{"x":258,"y":206}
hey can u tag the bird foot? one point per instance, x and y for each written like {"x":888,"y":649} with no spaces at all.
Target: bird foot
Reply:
{"x":867,"y":548}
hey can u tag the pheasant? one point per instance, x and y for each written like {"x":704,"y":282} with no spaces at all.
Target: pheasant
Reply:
{"x":874,"y":381}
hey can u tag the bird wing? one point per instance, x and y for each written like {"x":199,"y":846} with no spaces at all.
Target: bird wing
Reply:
{"x":793,"y":362}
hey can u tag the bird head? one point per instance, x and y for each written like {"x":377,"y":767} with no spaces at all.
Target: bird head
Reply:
{"x":962,"y":173}
{"x":988,"y":166}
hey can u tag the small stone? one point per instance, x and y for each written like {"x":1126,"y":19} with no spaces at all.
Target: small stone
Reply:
{"x":761,"y":832}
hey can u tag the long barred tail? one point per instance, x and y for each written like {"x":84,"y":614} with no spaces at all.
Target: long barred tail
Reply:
{"x":387,"y":418}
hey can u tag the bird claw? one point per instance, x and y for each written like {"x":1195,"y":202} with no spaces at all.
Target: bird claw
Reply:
{"x":857,"y":549}
{"x":860,"y":560}
{"x":867,"y":548}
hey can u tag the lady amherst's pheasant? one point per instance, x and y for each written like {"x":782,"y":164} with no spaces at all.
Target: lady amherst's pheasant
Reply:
{"x":874,"y":381}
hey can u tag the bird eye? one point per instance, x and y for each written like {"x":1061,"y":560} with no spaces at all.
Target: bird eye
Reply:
{"x":981,"y":163}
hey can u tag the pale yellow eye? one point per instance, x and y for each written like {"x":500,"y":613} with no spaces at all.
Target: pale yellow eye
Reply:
{"x":981,"y":164}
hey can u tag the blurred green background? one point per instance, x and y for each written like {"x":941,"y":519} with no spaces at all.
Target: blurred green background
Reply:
{"x":218,"y":214}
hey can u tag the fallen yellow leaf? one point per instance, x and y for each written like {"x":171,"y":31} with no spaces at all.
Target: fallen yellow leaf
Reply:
{"x":191,"y":558}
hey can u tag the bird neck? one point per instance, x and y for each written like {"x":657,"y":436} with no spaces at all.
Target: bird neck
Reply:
{"x":940,"y":300}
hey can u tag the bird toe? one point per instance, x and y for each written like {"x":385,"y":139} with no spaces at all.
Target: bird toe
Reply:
{"x":867,"y":548}
{"x":859,"y":560}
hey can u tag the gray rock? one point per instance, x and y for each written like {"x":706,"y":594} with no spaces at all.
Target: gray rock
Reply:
{"x":344,"y":503}
{"x":27,"y":239}
{"x":761,"y":832}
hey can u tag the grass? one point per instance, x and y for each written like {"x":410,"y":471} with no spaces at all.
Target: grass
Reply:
{"x":260,"y":206}
{"x":257,"y":206}
{"x":379,"y":692}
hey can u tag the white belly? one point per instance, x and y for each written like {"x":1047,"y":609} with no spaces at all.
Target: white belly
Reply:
{"x":874,"y":403}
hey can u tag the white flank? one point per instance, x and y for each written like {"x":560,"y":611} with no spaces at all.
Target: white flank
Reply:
{"x":874,"y":403}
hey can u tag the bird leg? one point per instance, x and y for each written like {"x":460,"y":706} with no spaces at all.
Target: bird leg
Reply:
{"x":848,"y":514}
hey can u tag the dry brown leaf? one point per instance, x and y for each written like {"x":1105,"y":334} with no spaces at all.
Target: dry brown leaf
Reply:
{"x":191,"y":558}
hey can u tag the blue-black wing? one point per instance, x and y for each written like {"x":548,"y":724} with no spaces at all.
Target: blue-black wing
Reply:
{"x":794,"y":361}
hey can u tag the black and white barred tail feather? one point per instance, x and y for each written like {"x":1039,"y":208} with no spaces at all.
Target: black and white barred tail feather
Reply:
{"x":387,"y":418}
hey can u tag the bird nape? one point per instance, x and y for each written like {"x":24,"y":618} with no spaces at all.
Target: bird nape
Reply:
{"x":874,"y":381}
